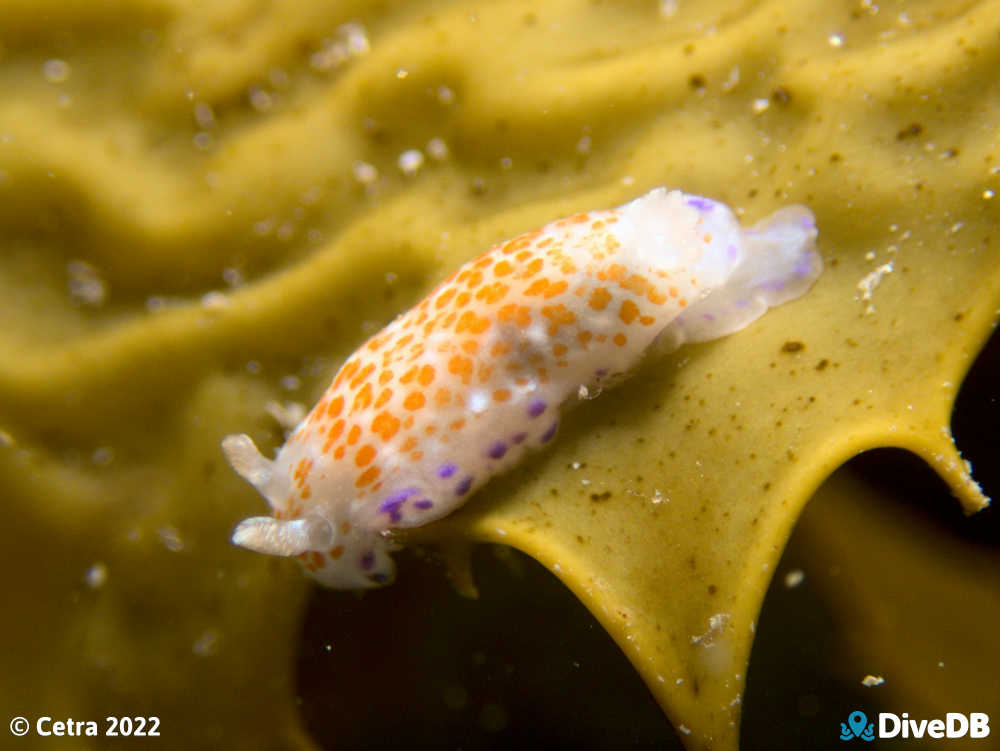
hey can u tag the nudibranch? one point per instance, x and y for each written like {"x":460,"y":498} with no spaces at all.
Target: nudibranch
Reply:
{"x":459,"y":388}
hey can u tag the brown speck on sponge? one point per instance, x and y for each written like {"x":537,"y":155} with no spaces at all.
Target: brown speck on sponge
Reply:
{"x":910,"y":131}
{"x":790,"y":347}
{"x":781,"y":95}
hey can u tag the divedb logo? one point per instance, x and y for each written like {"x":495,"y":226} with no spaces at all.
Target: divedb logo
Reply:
{"x":953,"y":725}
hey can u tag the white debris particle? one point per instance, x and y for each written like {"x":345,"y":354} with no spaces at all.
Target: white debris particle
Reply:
{"x":410,"y":162}
{"x":260,"y":100}
{"x":55,"y":70}
{"x":202,"y":140}
{"x":356,"y":37}
{"x":170,"y":538}
{"x":668,"y":8}
{"x":311,"y":196}
{"x":285,"y":231}
{"x":760,"y":105}
{"x":437,"y":149}
{"x":716,"y":623}
{"x":85,"y":284}
{"x":794,"y":578}
{"x":583,"y":145}
{"x":207,"y":644}
{"x":156,"y":303}
{"x":290,"y":382}
{"x":679,"y":682}
{"x":684,"y":729}
{"x":732,"y":79}
{"x":445,"y":95}
{"x":365,"y":173}
{"x":103,"y":456}
{"x":96,"y":575}
{"x":870,"y":255}
{"x":351,"y":41}
{"x":6,"y":439}
{"x":628,"y":180}
{"x":232,"y":276}
{"x":987,"y":195}
{"x":835,"y":40}
{"x":204,"y":115}
{"x":215,"y":300}
{"x":872,"y":680}
{"x":264,"y":227}
{"x":506,"y":163}
{"x":501,"y":532}
{"x":870,"y":283}
{"x":332,"y":55}
{"x":956,"y":227}
{"x":576,"y":465}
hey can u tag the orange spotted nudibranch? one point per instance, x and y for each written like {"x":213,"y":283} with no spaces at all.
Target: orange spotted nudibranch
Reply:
{"x":459,"y":388}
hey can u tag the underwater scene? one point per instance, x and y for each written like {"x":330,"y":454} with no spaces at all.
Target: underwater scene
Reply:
{"x":667,"y":384}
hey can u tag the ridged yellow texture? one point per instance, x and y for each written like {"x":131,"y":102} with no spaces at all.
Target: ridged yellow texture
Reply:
{"x":177,"y":148}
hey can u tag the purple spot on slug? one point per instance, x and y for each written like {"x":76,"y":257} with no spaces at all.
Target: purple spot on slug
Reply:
{"x":393,"y":511}
{"x":391,"y":504}
{"x":708,"y":316}
{"x":537,"y":407}
{"x":368,"y":560}
{"x":423,"y":504}
{"x":732,"y":252}
{"x":803,"y":267}
{"x":550,"y":433}
{"x":519,"y":437}
{"x":702,"y":204}
{"x":446,"y":470}
{"x":497,"y":450}
{"x":742,"y":303}
{"x":463,"y":487}
{"x":806,"y":222}
{"x":775,"y":285}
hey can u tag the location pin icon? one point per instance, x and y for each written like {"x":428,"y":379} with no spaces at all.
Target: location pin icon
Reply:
{"x":857,"y":721}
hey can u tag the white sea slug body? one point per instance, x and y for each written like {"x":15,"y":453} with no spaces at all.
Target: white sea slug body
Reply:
{"x":459,"y":388}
